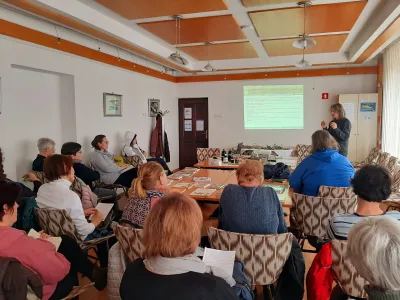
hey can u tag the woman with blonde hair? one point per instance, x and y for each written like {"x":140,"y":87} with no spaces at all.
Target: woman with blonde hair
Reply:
{"x":171,"y":270}
{"x":150,"y":185}
{"x":248,"y":207}
{"x":325,"y":166}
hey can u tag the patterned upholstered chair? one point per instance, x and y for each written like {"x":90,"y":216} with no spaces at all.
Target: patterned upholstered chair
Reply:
{"x":335,"y":192}
{"x":392,"y":165}
{"x":311,"y":215}
{"x":383,"y":159}
{"x":134,"y":161}
{"x":263,"y":255}
{"x":206,"y":153}
{"x":302,"y":151}
{"x":131,"y":240}
{"x":344,"y":272}
{"x":371,"y":159}
{"x":76,"y":186}
{"x":393,"y":203}
{"x":57,"y":222}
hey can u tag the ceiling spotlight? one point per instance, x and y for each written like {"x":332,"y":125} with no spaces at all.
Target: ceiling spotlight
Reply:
{"x":247,"y":27}
{"x":208,"y":68}
{"x":303,"y":64}
{"x":304,"y":42}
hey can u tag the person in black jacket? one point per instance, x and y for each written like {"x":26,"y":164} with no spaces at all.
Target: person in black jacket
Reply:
{"x":88,"y":175}
{"x":339,"y":127}
{"x":46,"y":148}
{"x":171,"y":271}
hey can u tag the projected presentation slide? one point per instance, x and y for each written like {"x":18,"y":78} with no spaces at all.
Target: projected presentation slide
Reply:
{"x":273,"y":107}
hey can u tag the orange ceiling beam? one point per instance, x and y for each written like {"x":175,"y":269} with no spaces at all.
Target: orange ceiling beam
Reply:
{"x":280,"y":74}
{"x":37,"y":37}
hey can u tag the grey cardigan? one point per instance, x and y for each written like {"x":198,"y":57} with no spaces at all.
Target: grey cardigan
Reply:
{"x":104,"y":163}
{"x":376,"y":294}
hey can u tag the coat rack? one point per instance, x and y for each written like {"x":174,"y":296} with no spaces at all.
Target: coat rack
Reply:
{"x":163,"y":113}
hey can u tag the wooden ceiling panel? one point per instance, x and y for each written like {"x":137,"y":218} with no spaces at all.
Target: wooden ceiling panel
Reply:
{"x":253,"y":3}
{"x":221,"y":51}
{"x":325,"y":44}
{"x":197,"y":30}
{"x":141,"y":9}
{"x":325,"y":18}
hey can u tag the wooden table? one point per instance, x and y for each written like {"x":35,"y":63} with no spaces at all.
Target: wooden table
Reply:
{"x":229,"y":166}
{"x":225,"y":166}
{"x":224,"y":177}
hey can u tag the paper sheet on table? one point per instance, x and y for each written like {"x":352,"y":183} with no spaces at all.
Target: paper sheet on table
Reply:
{"x":221,"y":259}
{"x":56,"y":241}
{"x":104,"y":209}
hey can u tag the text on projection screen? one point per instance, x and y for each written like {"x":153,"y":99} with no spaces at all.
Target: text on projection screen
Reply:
{"x":273,"y":107}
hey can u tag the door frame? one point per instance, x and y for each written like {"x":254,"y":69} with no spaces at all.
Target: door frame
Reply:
{"x":181,"y":120}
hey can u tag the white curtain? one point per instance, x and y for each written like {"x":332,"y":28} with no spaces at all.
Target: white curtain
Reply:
{"x":391,"y":101}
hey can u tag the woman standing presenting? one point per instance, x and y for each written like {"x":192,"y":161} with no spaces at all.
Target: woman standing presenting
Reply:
{"x":339,"y":127}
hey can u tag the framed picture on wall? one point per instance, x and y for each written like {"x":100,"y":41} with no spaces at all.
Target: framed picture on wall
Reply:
{"x":154,"y":107}
{"x":112,"y":105}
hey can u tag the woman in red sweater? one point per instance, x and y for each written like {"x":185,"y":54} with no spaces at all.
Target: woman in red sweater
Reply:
{"x":57,"y":270}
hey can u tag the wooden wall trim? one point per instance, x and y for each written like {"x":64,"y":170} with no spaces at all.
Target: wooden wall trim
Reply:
{"x":279,"y":74}
{"x":386,"y":35}
{"x":40,"y":38}
{"x":380,"y":103}
{"x":80,"y":27}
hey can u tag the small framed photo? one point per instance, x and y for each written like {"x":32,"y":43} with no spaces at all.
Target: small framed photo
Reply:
{"x":154,"y":107}
{"x":112,"y":105}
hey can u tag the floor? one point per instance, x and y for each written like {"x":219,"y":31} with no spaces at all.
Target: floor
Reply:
{"x":207,"y":209}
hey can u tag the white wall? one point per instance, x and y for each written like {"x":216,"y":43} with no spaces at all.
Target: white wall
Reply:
{"x":226,"y":98}
{"x":34,"y":94}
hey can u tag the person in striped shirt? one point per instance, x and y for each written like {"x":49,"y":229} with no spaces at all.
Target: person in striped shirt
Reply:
{"x":372,"y":185}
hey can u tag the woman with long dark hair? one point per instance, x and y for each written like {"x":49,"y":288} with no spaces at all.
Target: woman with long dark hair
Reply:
{"x":339,"y":127}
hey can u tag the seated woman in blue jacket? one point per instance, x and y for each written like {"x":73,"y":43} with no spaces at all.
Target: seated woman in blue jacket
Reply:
{"x":248,"y":207}
{"x":325,"y":166}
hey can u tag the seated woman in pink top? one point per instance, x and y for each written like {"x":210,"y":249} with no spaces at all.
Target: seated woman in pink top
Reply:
{"x":56,"y":269}
{"x":146,"y":190}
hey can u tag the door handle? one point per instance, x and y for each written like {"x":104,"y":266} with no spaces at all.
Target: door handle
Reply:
{"x":206,"y":133}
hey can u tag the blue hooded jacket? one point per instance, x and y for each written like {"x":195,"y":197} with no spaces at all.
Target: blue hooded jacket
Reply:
{"x":326,"y":167}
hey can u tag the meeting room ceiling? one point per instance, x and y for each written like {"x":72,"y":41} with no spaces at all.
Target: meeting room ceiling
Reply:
{"x":240,"y":34}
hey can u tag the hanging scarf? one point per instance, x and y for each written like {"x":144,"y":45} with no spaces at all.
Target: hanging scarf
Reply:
{"x":180,"y":265}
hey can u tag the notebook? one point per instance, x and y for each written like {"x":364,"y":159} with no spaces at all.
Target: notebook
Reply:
{"x":56,"y":241}
{"x":221,"y":259}
{"x":104,"y":209}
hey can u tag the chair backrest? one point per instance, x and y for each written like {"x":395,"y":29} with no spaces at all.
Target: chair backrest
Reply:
{"x":312,"y":214}
{"x":206,"y":153}
{"x":372,"y":157}
{"x":335,"y":192}
{"x":131,"y":240}
{"x":344,"y":272}
{"x":392,"y":164}
{"x":302,"y":152}
{"x":118,"y":159}
{"x":135,"y":161}
{"x":41,"y":177}
{"x":76,"y":185}
{"x":57,"y":222}
{"x":396,"y":180}
{"x":263,"y":256}
{"x":383,"y":159}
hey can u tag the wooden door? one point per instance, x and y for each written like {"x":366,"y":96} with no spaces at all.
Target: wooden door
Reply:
{"x":193,"y":129}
